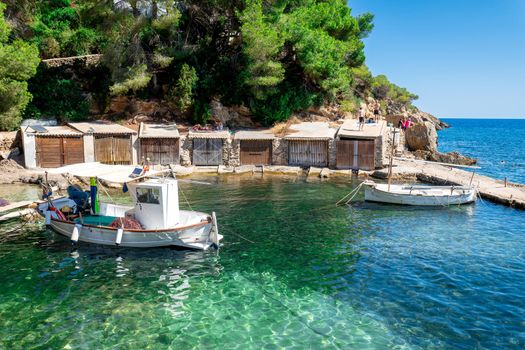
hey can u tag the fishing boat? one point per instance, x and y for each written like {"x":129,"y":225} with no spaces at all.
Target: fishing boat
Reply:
{"x":418,"y":194}
{"x":155,"y":219}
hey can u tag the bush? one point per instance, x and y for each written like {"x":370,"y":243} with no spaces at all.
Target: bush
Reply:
{"x":280,"y":107}
{"x":181,"y":94}
{"x":56,"y":94}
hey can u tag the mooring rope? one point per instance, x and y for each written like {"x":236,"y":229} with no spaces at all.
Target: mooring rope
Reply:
{"x":352,"y":193}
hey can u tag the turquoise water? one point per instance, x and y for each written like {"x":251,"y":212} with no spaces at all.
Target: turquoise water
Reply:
{"x":498,"y":144}
{"x":294,"y":272}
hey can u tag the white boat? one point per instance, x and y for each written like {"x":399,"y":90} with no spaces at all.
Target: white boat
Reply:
{"x":423,"y":195}
{"x":417,"y":194}
{"x":156,"y":211}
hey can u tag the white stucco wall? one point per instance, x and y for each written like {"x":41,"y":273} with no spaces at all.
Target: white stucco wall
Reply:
{"x":29,"y":145}
{"x":134,"y":149}
{"x":89,"y":148}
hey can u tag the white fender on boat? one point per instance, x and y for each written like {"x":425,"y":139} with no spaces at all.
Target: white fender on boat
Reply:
{"x":120,"y":231}
{"x":76,"y":233}
{"x":215,"y":228}
{"x":48,"y":217}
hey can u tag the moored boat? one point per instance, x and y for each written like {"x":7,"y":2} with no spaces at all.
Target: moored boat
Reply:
{"x":419,"y":194}
{"x":155,"y":219}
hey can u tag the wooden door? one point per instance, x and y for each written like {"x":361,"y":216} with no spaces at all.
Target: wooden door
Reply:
{"x":258,"y":152}
{"x":160,"y":151}
{"x":367,"y":151}
{"x":73,"y":148}
{"x":54,"y":152}
{"x":356,"y":154}
{"x":308,"y":153}
{"x":207,"y":151}
{"x":49,"y":152}
{"x":113,"y":149}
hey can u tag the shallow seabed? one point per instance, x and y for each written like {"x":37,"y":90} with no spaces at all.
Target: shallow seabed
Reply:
{"x":304,"y":275}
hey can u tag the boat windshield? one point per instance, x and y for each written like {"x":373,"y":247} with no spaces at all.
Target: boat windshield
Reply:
{"x":148,"y":195}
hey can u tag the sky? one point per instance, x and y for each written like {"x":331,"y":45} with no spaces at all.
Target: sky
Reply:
{"x":463,"y":58}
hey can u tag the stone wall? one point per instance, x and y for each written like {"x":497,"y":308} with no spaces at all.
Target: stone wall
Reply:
{"x":280,"y":152}
{"x":186,"y":151}
{"x":231,"y":153}
{"x":85,"y":60}
{"x":332,"y":154}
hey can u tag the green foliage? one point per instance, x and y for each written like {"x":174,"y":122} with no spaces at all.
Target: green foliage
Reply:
{"x":350,"y":103}
{"x":289,"y":99}
{"x":383,"y":89}
{"x":136,"y":78}
{"x":202,"y":112}
{"x":18,"y":63}
{"x":262,"y":44}
{"x":56,"y":95}
{"x":181,"y":94}
{"x":277,"y":56}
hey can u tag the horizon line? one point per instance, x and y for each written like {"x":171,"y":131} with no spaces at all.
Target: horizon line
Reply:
{"x":499,"y":118}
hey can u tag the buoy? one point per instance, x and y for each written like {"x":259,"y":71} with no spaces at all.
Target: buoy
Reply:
{"x":120,"y":231}
{"x":76,"y":233}
{"x":48,"y":218}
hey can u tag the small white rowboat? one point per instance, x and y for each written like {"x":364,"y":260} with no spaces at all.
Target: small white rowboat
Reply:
{"x":423,"y":195}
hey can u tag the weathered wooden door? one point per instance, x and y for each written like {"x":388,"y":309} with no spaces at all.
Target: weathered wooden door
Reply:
{"x":49,"y":152}
{"x":308,"y":153}
{"x":54,"y":152}
{"x":73,"y":150}
{"x":160,"y":151}
{"x":258,"y":152}
{"x":207,"y":151}
{"x":113,"y":149}
{"x":356,"y":154}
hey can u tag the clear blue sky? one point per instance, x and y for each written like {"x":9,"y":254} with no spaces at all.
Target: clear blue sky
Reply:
{"x":464,"y":58}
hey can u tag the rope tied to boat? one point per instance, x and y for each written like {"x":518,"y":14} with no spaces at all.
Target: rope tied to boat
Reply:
{"x":351,"y":194}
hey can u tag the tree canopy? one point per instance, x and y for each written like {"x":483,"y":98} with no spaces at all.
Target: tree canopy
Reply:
{"x":18,"y":63}
{"x":273,"y":56}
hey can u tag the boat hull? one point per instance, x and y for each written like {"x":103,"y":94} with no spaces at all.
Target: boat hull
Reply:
{"x":196,"y":237}
{"x":419,"y":195}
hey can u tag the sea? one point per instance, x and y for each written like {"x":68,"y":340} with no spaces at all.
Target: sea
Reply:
{"x":294,"y":272}
{"x":497,"y":144}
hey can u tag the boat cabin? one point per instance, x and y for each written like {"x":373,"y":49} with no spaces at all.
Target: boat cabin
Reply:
{"x":156,"y":203}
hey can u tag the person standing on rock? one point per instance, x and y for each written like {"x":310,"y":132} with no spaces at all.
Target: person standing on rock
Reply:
{"x":361,"y":118}
{"x":377,"y":112}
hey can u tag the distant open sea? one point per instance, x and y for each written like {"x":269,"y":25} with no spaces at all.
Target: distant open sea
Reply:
{"x":497,"y":144}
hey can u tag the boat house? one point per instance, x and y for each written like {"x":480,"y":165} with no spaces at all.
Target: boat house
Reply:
{"x":255,"y":147}
{"x":311,"y":144}
{"x":208,"y":147}
{"x":159,"y":144}
{"x":108,"y":143}
{"x":360,"y":149}
{"x":52,"y":146}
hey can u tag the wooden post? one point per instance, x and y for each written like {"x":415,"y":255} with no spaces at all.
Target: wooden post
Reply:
{"x":472,"y":178}
{"x":391,"y":159}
